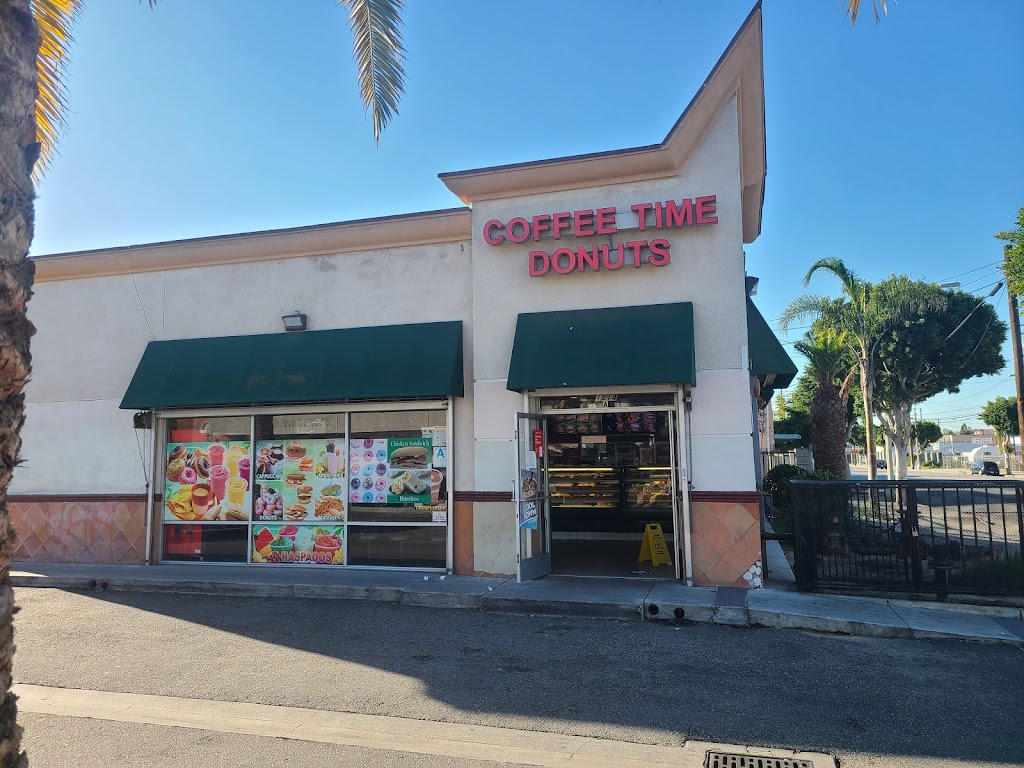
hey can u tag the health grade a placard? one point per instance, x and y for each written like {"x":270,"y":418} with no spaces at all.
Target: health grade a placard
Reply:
{"x":394,"y":470}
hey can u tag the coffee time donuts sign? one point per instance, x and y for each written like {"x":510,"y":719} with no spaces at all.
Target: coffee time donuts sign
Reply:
{"x":659,"y":215}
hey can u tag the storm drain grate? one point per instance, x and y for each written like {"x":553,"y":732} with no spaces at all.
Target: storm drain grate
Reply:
{"x":737,"y":760}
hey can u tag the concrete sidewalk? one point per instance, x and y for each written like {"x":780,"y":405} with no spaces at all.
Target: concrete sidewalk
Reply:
{"x":651,"y":599}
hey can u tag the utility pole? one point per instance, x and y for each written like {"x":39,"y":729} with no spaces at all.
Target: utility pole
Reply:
{"x":1018,"y":362}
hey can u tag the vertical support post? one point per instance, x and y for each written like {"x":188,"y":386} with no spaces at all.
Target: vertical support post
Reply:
{"x":913,"y":538}
{"x":450,"y":490}
{"x":151,"y":485}
{"x":683,"y":476}
{"x":1018,"y":359}
{"x":805,"y":515}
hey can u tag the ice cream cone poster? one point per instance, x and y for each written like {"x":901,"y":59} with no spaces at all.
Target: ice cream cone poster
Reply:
{"x":300,"y":544}
{"x":300,"y":480}
{"x":207,"y":482}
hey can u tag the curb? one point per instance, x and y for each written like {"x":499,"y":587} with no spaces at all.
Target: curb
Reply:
{"x":573,"y":608}
{"x":659,"y":612}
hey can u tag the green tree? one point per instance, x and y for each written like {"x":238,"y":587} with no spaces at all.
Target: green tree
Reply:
{"x":831,"y":367}
{"x":927,"y":432}
{"x":964,"y":429}
{"x":1001,"y":415}
{"x":864,"y":314}
{"x":779,"y":406}
{"x":955,"y":339}
{"x":1013,"y":266}
{"x":795,"y":423}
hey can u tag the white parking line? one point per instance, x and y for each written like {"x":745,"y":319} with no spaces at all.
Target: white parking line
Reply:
{"x":454,"y":740}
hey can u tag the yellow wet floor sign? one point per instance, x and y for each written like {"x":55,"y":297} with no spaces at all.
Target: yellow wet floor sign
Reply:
{"x":654,"y":547}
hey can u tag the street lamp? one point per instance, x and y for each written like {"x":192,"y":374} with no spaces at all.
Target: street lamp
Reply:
{"x":991,"y":293}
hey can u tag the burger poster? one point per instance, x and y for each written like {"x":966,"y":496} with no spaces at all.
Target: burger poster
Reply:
{"x":207,"y":482}
{"x":300,"y":480}
{"x":301,"y":544}
{"x":394,"y":470}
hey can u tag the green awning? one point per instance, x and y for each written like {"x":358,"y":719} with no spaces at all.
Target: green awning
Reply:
{"x":381,"y":363}
{"x":619,"y":346}
{"x":768,"y":358}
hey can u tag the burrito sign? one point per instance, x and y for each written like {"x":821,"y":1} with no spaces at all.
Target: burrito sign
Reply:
{"x":601,"y":222}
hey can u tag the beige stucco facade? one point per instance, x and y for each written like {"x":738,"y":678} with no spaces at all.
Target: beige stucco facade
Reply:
{"x":97,"y":311}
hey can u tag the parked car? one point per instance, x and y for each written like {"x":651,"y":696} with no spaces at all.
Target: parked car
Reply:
{"x":985,"y":468}
{"x":880,"y":463}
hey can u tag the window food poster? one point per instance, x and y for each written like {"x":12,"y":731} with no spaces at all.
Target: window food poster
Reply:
{"x":300,"y":480}
{"x":393,"y":470}
{"x":208,"y":482}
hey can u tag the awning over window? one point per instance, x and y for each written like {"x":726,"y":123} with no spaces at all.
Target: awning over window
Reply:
{"x":604,"y":347}
{"x":381,"y":363}
{"x":768,"y":358}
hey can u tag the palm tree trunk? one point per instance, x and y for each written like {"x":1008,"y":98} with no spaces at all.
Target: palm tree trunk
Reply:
{"x":19,"y":45}
{"x":866,"y":388}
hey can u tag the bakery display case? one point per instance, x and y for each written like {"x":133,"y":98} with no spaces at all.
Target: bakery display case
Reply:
{"x":609,"y":472}
{"x":649,"y":489}
{"x":584,"y":487}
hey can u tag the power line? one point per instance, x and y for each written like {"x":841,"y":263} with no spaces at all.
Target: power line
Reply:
{"x":969,"y":271}
{"x":989,"y":276}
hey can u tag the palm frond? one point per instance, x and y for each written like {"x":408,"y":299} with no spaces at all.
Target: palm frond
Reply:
{"x":852,"y":285}
{"x":806,"y":307}
{"x":827,"y":354}
{"x":379,"y":54}
{"x":55,"y":19}
{"x":853,"y":8}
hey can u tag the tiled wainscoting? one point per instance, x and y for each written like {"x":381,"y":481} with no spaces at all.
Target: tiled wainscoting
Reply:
{"x":83,"y":529}
{"x":726,"y":539}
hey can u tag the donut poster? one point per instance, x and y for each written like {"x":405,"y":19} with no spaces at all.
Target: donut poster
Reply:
{"x":208,"y":482}
{"x":299,"y":480}
{"x":394,"y":470}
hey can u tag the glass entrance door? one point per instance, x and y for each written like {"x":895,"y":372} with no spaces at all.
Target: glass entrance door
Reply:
{"x":533,"y":524}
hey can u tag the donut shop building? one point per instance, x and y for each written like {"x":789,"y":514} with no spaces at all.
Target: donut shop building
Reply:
{"x":520,"y":385}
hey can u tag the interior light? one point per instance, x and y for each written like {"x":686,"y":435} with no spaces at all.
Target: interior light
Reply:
{"x":296,"y":321}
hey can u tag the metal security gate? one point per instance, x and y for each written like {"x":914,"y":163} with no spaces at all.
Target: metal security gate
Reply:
{"x":909,"y":536}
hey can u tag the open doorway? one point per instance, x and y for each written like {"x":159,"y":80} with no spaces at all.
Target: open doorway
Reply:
{"x":610,"y":474}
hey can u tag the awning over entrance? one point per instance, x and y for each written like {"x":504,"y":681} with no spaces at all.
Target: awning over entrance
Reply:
{"x":381,"y":363}
{"x":651,"y":344}
{"x":769,"y":360}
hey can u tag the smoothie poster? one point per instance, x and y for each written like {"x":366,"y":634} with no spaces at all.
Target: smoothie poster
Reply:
{"x":394,"y":470}
{"x":300,"y":480}
{"x":207,"y":482}
{"x":302,"y":544}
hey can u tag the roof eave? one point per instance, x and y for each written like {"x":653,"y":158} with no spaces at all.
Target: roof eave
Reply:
{"x":738,"y":73}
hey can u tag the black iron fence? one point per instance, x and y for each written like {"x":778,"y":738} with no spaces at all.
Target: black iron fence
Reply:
{"x":911,"y":536}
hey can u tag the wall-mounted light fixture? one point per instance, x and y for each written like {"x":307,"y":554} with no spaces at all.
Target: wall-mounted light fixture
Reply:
{"x":296,"y":321}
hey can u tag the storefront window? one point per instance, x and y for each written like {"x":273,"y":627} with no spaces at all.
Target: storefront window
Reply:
{"x":399,"y":467}
{"x":300,"y":482}
{"x":412,"y":546}
{"x":359,"y":488}
{"x":207,"y":476}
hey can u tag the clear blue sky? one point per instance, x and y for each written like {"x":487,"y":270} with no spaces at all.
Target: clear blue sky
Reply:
{"x":895,"y":147}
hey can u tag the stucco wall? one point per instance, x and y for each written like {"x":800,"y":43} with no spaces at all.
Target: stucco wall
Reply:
{"x":92,"y":333}
{"x":707,"y":269}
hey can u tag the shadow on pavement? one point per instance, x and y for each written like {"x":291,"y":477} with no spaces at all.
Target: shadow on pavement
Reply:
{"x":613,"y":679}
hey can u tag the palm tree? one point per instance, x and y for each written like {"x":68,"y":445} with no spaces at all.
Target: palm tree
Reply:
{"x":864,"y":314}
{"x":34,"y":40}
{"x":830,"y":364}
